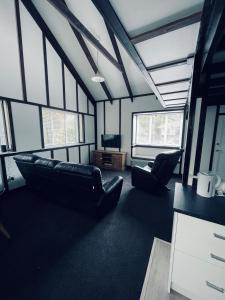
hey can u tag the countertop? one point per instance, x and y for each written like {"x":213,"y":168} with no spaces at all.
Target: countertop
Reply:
{"x":186,"y":201}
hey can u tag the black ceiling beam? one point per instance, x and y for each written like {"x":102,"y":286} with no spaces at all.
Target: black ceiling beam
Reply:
{"x":174,"y":63}
{"x":217,"y":68}
{"x":217,"y":82}
{"x":89,"y":57}
{"x":175,"y":92}
{"x":214,"y":34}
{"x":91,"y":61}
{"x":216,"y":91}
{"x":51,"y":38}
{"x":189,"y":20}
{"x":120,"y":61}
{"x":216,"y":100}
{"x":173,"y":81}
{"x":111,"y":18}
{"x":175,"y":99}
{"x":63,"y":9}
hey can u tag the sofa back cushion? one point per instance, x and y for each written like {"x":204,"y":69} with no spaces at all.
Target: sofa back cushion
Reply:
{"x":165,"y":164}
{"x":82,"y":180}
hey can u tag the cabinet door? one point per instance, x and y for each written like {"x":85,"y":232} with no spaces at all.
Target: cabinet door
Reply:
{"x":117,"y":161}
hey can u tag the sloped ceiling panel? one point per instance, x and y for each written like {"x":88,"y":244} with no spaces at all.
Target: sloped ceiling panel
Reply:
{"x":136,"y":79}
{"x":89,"y":16}
{"x":113,"y":77}
{"x":65,"y":36}
{"x":169,"y":88}
{"x":174,"y":45}
{"x":150,"y":14}
{"x":171,"y":74}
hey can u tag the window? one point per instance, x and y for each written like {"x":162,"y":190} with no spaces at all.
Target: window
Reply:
{"x":5,"y":136}
{"x":158,"y":129}
{"x":60,"y":127}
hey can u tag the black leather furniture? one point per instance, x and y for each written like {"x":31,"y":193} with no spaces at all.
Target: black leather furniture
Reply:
{"x":71,"y":185}
{"x":155,"y":176}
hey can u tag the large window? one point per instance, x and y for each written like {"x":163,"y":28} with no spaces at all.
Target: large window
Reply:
{"x":60,"y":127}
{"x":158,"y":129}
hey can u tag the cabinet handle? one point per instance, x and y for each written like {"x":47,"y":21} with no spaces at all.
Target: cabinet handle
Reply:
{"x":213,"y":286}
{"x":217,"y":257}
{"x":219,"y":236}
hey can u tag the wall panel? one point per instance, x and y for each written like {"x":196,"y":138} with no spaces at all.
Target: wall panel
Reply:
{"x":70,"y":89}
{"x":91,"y":108}
{"x":54,"y":77}
{"x":10,"y":78}
{"x":84,"y":155}
{"x":89,"y":129}
{"x":60,"y":154}
{"x":74,"y":155}
{"x":26,"y":126}
{"x":82,"y":99}
{"x":33,"y":58}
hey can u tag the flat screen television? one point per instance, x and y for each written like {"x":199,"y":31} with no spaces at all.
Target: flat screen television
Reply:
{"x":111,"y":140}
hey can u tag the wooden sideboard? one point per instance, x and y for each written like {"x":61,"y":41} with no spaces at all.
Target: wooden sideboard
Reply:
{"x":111,"y":160}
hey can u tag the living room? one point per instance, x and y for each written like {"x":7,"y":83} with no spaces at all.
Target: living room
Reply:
{"x":112,"y":124}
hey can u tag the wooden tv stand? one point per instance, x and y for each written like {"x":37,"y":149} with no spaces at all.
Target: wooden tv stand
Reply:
{"x":110,"y":160}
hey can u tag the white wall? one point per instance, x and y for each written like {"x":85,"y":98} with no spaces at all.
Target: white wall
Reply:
{"x":10,"y":78}
{"x":33,"y":58}
{"x":140,"y":104}
{"x":26,"y":126}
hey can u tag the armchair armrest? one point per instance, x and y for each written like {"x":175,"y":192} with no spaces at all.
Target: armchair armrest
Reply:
{"x":109,"y":186}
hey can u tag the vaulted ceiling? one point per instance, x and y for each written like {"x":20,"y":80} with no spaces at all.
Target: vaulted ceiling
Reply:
{"x":148,"y":45}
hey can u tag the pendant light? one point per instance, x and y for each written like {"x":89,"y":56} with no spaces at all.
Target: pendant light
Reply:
{"x":97,"y":77}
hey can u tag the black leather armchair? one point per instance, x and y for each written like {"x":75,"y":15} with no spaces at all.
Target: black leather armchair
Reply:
{"x":72,"y":185}
{"x":157,"y":174}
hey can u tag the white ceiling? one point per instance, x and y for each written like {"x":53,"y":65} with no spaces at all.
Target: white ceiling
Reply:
{"x":171,"y":46}
{"x":143,"y":15}
{"x":136,"y":17}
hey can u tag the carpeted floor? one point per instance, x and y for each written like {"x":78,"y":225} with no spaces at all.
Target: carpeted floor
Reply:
{"x":58,"y":254}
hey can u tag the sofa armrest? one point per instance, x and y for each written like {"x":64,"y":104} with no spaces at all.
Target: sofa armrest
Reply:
{"x":109,"y":186}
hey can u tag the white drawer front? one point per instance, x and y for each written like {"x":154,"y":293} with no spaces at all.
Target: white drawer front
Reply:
{"x":202,"y":239}
{"x":202,"y":280}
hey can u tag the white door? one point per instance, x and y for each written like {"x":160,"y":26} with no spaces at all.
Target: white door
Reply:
{"x":219,"y":151}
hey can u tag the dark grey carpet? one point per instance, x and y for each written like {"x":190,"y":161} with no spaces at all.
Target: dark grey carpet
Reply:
{"x":58,"y":254}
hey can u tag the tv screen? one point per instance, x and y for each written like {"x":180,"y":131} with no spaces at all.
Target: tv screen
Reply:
{"x":111,"y":140}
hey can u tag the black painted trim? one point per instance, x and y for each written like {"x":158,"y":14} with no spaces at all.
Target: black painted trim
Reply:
{"x":67,"y":155}
{"x":12,"y":153}
{"x":214,"y":137}
{"x":20,"y":44}
{"x":201,"y":129}
{"x":46,"y":69}
{"x":120,"y":121}
{"x":13,"y":140}
{"x":63,"y":86}
{"x":79,"y":154}
{"x":4,"y":175}
{"x":104,"y":129}
{"x":41,"y":127}
{"x":126,"y":97}
{"x":42,"y":105}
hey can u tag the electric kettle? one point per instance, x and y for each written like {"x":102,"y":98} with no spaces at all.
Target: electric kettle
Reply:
{"x":207,"y":184}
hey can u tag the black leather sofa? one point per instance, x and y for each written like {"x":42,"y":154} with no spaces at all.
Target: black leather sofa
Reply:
{"x":156,"y":175}
{"x":71,"y":185}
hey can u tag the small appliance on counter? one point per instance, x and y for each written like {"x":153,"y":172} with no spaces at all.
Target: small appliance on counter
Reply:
{"x":207,"y":184}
